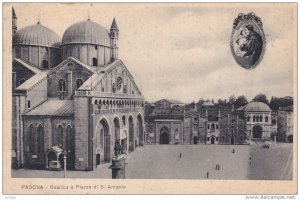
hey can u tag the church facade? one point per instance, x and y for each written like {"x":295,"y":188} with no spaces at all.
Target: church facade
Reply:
{"x":72,"y":96}
{"x":209,"y":124}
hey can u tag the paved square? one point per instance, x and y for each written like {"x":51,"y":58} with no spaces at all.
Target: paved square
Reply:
{"x":164,"y":162}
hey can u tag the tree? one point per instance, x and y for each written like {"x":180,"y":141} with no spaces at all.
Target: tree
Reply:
{"x":261,"y":98}
{"x":274,"y":103}
{"x":201,"y":101}
{"x":221,"y":102}
{"x":240,"y":101}
{"x":231,"y":99}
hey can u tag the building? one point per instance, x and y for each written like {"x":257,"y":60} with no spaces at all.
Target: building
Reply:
{"x":209,"y":124}
{"x":72,"y":96}
{"x":285,"y":123}
{"x":213,"y":114}
{"x":259,"y":120}
{"x":164,"y":122}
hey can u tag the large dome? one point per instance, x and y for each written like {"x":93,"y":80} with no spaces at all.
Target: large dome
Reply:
{"x":257,"y":106}
{"x":86,"y":32}
{"x":38,"y":35}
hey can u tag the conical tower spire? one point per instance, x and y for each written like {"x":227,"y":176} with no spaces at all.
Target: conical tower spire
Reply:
{"x":14,"y":21}
{"x":114,"y":37}
{"x":114,"y":25}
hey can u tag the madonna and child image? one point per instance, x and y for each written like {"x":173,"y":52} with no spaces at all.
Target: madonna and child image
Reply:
{"x":247,"y":40}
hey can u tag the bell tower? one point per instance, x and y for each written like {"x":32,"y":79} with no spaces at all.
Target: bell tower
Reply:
{"x":114,"y":37}
{"x":14,"y":21}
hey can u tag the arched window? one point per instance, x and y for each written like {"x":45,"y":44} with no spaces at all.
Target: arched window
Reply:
{"x":28,"y":104}
{"x":69,"y":138}
{"x":266,"y":119}
{"x":260,"y":118}
{"x":79,"y":82}
{"x":217,"y":126}
{"x":213,"y":126}
{"x":208,"y":126}
{"x":113,"y":88}
{"x":125,"y":89}
{"x":60,"y":136}
{"x":95,"y":62}
{"x":253,"y":119}
{"x":61,"y":85}
{"x":30,"y":142}
{"x":248,"y":119}
{"x":40,"y":139}
{"x":257,"y":118}
{"x":45,"y":64}
{"x":124,"y":120}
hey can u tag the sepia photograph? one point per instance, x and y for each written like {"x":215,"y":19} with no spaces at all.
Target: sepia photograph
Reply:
{"x":151,"y":94}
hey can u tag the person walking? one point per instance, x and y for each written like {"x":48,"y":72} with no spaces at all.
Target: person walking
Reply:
{"x":207,"y":174}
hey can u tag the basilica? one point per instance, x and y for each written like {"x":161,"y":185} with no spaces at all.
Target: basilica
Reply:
{"x":71,"y":96}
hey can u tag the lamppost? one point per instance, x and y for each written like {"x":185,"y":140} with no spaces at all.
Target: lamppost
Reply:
{"x":65,"y":164}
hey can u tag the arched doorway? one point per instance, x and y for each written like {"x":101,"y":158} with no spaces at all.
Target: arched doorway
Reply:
{"x":102,"y":143}
{"x":164,"y":136}
{"x":195,"y":140}
{"x":212,"y":140}
{"x":140,"y":130}
{"x":232,"y":140}
{"x":124,"y":141}
{"x":257,"y":131}
{"x":70,"y":147}
{"x":40,"y":139}
{"x":131,"y":134}
{"x":117,"y":129}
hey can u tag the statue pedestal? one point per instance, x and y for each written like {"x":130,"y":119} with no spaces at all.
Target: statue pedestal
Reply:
{"x":118,"y":167}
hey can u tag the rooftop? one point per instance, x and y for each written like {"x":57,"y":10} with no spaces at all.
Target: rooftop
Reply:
{"x":53,"y":107}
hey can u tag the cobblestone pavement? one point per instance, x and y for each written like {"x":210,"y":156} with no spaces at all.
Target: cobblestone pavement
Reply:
{"x":164,"y":162}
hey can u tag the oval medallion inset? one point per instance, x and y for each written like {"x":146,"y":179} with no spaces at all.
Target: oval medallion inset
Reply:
{"x":247,"y":40}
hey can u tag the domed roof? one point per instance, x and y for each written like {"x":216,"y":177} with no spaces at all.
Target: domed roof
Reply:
{"x":86,"y":32}
{"x":36,"y":35}
{"x":257,"y":106}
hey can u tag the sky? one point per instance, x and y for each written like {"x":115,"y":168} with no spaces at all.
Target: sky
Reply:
{"x":182,"y":51}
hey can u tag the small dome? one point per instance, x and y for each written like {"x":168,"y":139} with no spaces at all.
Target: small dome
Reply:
{"x":257,"y":106}
{"x":86,"y":32}
{"x":36,"y":35}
